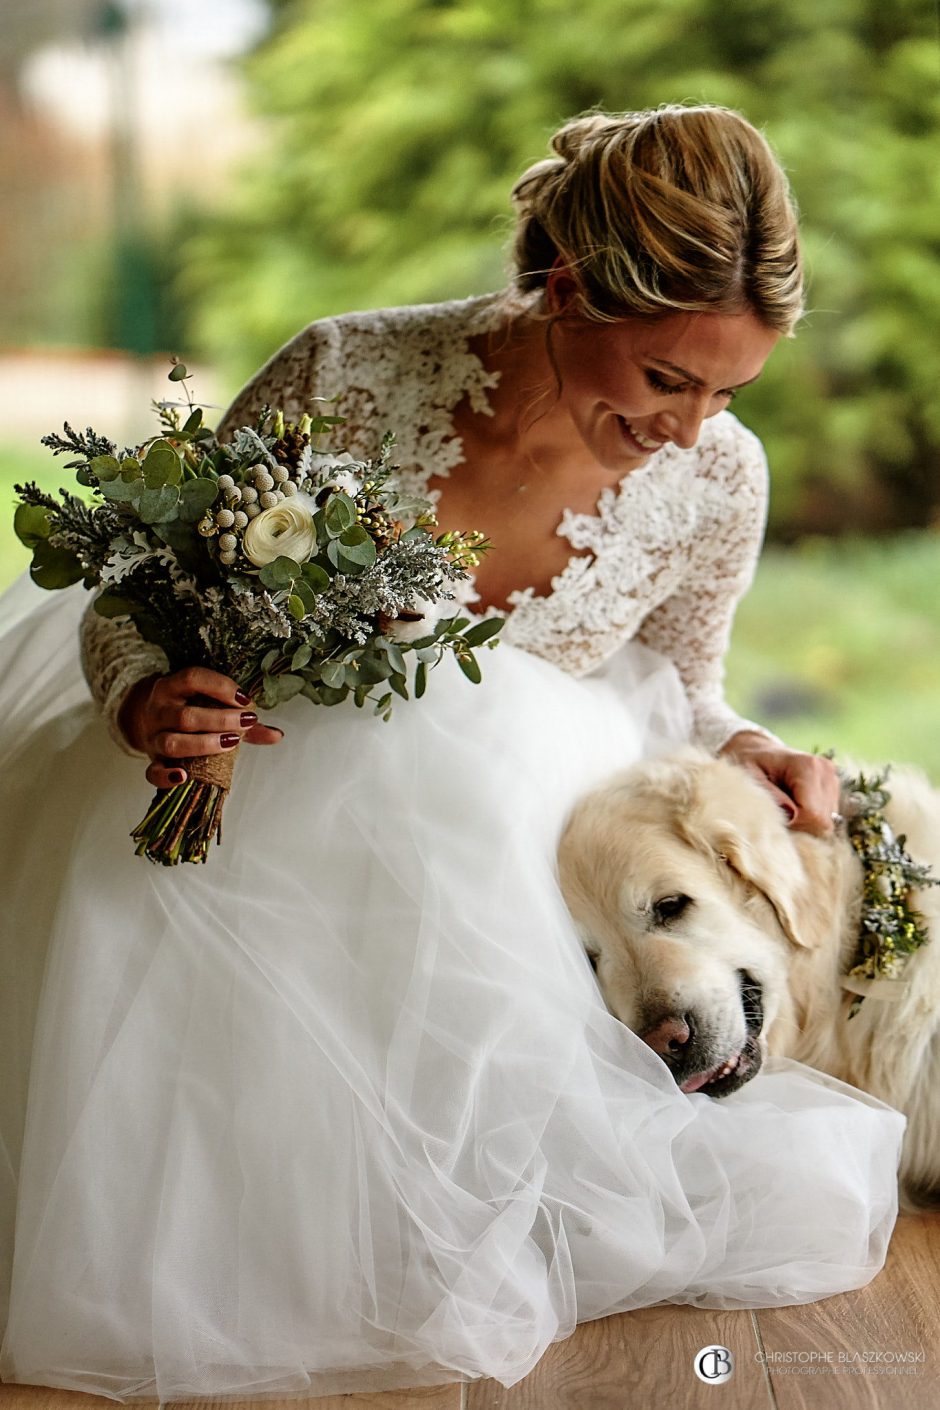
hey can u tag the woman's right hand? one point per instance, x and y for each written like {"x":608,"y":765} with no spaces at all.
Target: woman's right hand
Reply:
{"x":187,"y":715}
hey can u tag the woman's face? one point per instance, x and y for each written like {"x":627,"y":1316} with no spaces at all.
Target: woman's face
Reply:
{"x":633,"y":386}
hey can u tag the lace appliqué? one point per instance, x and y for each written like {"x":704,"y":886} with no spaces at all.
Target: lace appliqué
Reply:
{"x":670,"y":553}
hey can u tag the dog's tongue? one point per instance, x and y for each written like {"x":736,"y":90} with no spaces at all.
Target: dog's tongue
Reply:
{"x":701,"y":1079}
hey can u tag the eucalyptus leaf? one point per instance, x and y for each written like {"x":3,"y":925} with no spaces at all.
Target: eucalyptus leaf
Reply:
{"x":331,"y":696}
{"x":470,"y":666}
{"x":160,"y":505}
{"x":354,"y":556}
{"x":306,"y":595}
{"x":184,"y":541}
{"x":421,"y":679}
{"x":177,"y":373}
{"x":399,"y":685}
{"x":281,"y":573}
{"x":269,"y":659}
{"x":111,"y":604}
{"x":373,"y":669}
{"x":396,"y":659}
{"x":105,"y":467}
{"x":120,"y":491}
{"x":288,"y":686}
{"x":301,"y":657}
{"x":193,"y":422}
{"x":333,"y":673}
{"x":296,"y":607}
{"x":31,"y":524}
{"x":54,"y":567}
{"x":196,"y":496}
{"x":316,"y":578}
{"x":161,"y":466}
{"x":482,"y":631}
{"x":339,"y":514}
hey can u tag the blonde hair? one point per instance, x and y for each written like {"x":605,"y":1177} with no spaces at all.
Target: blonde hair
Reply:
{"x":673,"y":209}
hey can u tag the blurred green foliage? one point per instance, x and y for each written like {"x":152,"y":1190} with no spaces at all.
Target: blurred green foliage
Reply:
{"x":838,"y":645}
{"x":396,"y":128}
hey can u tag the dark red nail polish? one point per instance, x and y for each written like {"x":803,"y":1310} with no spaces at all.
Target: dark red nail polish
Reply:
{"x":176,"y":776}
{"x":241,"y":698}
{"x":228,"y":741}
{"x":248,"y":718}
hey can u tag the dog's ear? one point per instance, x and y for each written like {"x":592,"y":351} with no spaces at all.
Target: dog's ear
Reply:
{"x":735,"y":819}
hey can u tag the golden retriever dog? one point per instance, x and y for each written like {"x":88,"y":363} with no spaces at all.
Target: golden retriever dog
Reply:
{"x":719,"y":935}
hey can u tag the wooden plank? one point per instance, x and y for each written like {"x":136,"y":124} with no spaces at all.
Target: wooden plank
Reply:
{"x":899,"y":1312}
{"x":14,"y":1397}
{"x":641,"y":1358}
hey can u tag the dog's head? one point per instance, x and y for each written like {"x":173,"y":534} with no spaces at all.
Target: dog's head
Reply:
{"x":691,"y":895}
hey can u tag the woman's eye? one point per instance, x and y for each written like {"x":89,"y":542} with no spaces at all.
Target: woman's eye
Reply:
{"x":657,"y":383}
{"x":673,"y":388}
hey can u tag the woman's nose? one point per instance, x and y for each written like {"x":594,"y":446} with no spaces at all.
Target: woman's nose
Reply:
{"x":682,"y":424}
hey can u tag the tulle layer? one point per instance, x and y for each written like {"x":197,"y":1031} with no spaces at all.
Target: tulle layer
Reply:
{"x":343,"y":1109}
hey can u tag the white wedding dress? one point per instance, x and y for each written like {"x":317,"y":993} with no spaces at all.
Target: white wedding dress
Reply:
{"x":343,"y":1109}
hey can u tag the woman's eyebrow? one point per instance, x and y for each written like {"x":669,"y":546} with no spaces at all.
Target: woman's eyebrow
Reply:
{"x":690,"y":376}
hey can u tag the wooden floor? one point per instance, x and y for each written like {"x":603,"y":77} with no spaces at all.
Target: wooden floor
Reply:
{"x":788,"y":1359}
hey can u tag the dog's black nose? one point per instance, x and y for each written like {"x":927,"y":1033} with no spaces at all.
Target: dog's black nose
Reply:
{"x":670,"y":1036}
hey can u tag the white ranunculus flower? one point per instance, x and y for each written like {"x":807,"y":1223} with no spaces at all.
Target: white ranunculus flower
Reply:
{"x":421,"y":617}
{"x":284,"y":529}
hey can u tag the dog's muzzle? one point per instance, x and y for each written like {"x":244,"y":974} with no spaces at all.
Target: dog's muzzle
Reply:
{"x":694,"y":1066}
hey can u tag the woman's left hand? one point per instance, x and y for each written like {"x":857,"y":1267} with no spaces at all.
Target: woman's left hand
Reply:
{"x":806,"y":786}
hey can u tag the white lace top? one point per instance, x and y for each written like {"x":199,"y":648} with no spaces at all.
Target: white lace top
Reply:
{"x":671,"y":551}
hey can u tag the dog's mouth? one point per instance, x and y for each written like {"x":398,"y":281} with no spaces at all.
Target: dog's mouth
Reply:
{"x":732,"y":1072}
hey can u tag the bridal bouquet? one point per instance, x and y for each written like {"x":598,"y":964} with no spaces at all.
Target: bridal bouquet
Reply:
{"x":294,"y":571}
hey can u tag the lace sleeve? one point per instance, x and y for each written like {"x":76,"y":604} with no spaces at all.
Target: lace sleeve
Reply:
{"x":693,"y":626}
{"x":114,"y":658}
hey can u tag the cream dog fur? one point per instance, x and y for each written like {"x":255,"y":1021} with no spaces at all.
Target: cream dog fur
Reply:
{"x":718,"y":935}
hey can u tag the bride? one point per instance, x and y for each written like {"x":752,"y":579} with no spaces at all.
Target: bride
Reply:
{"x":343,"y":1110}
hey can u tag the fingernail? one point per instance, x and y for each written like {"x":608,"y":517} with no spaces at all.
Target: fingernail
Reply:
{"x":248,"y":718}
{"x":241,"y":698}
{"x":228,"y":741}
{"x":176,"y":776}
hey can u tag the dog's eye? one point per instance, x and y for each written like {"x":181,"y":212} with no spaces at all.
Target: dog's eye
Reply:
{"x":667,"y":908}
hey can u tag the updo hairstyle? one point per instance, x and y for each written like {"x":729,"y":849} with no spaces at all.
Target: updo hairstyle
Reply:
{"x":672,"y":209}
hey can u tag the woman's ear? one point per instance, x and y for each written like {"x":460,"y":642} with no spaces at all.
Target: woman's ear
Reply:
{"x":562,"y":290}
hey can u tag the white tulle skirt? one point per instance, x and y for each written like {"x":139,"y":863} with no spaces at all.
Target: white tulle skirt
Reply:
{"x":343,"y":1109}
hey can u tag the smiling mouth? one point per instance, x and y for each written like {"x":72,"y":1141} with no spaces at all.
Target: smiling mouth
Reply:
{"x":637,"y":441}
{"x":730,"y":1074}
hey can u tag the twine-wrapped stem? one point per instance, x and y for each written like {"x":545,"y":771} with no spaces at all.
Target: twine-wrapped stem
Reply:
{"x":182,"y":821}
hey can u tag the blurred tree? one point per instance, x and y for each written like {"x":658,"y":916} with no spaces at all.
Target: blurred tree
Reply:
{"x":397,"y":127}
{"x":28,"y":24}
